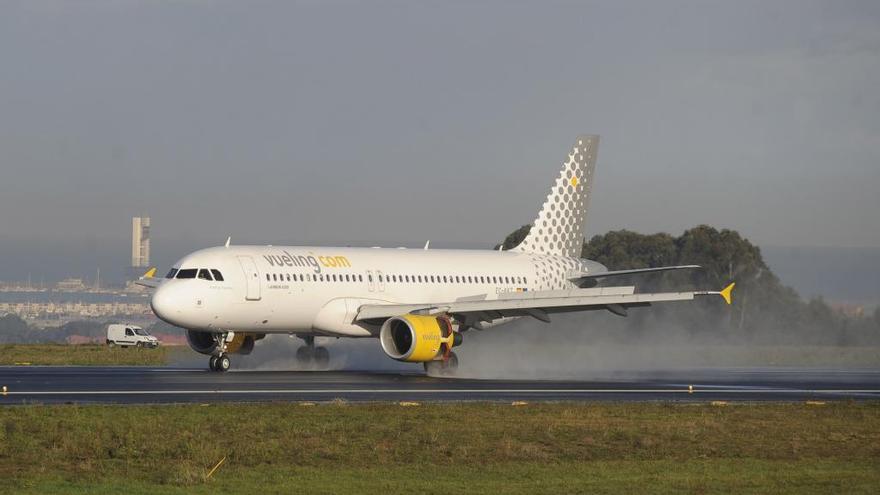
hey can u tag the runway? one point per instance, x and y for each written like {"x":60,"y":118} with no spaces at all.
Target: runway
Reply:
{"x":141,"y":385}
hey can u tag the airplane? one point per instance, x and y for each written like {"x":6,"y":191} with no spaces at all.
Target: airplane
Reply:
{"x":418,"y":303}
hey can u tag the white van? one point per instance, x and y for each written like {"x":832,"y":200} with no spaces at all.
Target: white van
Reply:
{"x":126,"y":335}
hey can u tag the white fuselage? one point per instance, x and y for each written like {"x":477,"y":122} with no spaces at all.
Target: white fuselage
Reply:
{"x":318,"y":290}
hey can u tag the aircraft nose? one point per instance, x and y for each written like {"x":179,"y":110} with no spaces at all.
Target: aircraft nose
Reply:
{"x":163,"y":304}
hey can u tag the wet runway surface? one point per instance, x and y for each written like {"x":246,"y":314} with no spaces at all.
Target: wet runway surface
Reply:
{"x":134,"y":385}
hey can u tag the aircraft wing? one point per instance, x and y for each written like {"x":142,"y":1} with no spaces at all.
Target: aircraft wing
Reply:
{"x":539,"y":304}
{"x":149,"y":279}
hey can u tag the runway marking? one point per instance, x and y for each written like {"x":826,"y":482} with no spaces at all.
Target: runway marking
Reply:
{"x":448,"y":391}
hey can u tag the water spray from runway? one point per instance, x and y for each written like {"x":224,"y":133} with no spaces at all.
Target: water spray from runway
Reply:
{"x":580,"y":346}
{"x":598,"y":345}
{"x":278,"y":353}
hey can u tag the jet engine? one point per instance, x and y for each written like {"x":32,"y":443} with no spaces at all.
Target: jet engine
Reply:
{"x":417,"y":338}
{"x":207,"y":342}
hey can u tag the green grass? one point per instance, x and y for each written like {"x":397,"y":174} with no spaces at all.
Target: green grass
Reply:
{"x":80,"y":355}
{"x":442,"y":448}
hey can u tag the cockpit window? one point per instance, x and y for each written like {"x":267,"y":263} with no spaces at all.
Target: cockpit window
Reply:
{"x":217,"y":276}
{"x":187,"y":273}
{"x":171,"y":273}
{"x":205,"y":274}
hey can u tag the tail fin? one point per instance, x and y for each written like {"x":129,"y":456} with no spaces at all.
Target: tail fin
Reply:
{"x":559,"y":228}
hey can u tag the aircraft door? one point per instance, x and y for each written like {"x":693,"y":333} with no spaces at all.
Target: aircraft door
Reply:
{"x":381,"y":280}
{"x":251,"y":276}
{"x":370,"y":282}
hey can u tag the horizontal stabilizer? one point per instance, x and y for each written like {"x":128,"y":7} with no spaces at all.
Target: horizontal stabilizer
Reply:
{"x":636,"y":271}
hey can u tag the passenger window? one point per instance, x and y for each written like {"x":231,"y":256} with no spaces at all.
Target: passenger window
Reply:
{"x":407,"y":278}
{"x":171,"y":273}
{"x":360,"y":278}
{"x":217,"y":275}
{"x":129,"y":332}
{"x":369,"y":277}
{"x":188,"y":273}
{"x":380,"y":278}
{"x":525,"y":280}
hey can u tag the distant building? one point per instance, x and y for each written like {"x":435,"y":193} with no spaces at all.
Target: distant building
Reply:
{"x":71,"y":285}
{"x":849,"y":310}
{"x":140,"y":242}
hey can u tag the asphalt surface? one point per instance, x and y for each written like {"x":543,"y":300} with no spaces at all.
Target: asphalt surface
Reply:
{"x":134,"y":385}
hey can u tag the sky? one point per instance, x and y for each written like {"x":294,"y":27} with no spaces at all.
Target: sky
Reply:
{"x":397,"y":122}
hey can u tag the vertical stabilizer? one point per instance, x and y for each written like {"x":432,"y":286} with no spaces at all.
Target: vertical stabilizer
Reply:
{"x":559,"y":228}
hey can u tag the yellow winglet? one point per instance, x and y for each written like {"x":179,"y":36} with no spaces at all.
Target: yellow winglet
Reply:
{"x":725,"y":293}
{"x":150,"y":273}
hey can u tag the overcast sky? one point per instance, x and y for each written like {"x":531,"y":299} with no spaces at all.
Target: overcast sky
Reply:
{"x":327,"y":122}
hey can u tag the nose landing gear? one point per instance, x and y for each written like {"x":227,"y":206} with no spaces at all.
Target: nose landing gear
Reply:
{"x":220,"y":362}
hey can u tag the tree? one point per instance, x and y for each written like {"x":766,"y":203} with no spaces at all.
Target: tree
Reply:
{"x":12,"y":329}
{"x":763,"y":310}
{"x":515,"y":238}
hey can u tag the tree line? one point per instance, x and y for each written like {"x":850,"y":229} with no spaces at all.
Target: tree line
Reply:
{"x":764,"y":310}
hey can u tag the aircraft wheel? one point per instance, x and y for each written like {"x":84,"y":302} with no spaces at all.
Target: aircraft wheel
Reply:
{"x":304,"y":355}
{"x":223,"y":363}
{"x":451,"y":364}
{"x":322,"y":357}
{"x":440,"y":368}
{"x":212,"y":363}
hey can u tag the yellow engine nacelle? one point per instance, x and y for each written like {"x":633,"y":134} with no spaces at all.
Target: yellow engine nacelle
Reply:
{"x":416,"y":338}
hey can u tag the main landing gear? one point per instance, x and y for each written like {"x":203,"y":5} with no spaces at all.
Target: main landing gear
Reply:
{"x":442,"y":367}
{"x":309,"y":355}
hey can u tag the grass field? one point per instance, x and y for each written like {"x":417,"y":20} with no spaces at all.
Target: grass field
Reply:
{"x":442,"y":448}
{"x":80,"y":355}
